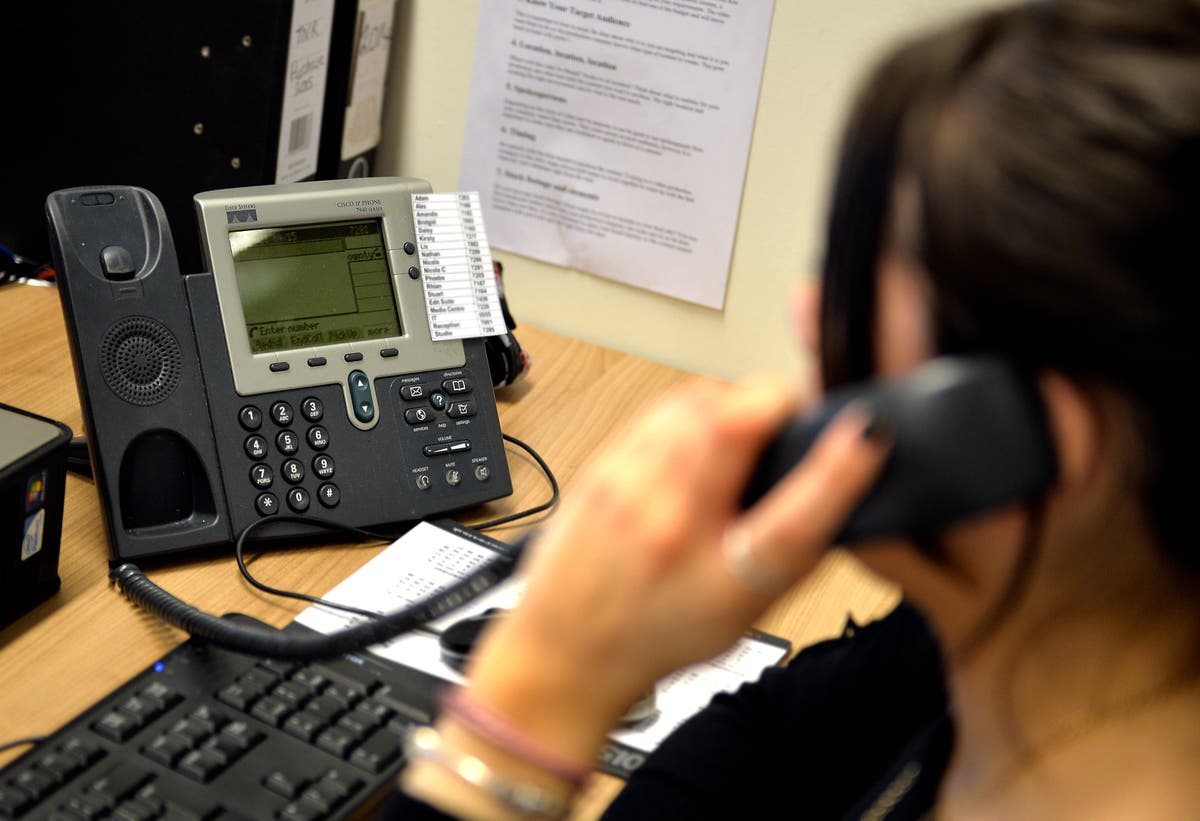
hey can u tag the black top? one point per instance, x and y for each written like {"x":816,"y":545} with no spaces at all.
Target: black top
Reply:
{"x":852,"y":728}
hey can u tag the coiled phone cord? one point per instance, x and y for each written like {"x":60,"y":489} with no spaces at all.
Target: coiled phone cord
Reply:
{"x":267,"y":641}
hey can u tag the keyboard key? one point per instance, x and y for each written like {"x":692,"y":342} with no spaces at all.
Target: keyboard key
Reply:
{"x":61,"y":766}
{"x":202,"y":765}
{"x":337,"y":741}
{"x":167,"y":749}
{"x":88,"y":805}
{"x":181,"y":803}
{"x":82,"y":748}
{"x":116,"y":726}
{"x":161,"y":695}
{"x":376,"y":752}
{"x":302,"y":810}
{"x":271,"y":710}
{"x":13,"y":802}
{"x":327,"y":709}
{"x":36,"y":783}
{"x":285,"y":783}
{"x":238,"y":696}
{"x":351,"y":676}
{"x":304,"y":725}
{"x":240,"y":734}
{"x":118,"y":782}
{"x":139,"y":809}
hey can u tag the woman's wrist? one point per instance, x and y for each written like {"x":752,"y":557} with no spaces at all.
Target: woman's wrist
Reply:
{"x":454,"y":769}
{"x":562,"y":697}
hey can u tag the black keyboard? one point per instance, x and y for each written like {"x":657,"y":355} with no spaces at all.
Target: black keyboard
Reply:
{"x":206,"y":734}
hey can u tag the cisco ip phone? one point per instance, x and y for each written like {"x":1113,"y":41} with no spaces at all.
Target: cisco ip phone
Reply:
{"x":296,"y":375}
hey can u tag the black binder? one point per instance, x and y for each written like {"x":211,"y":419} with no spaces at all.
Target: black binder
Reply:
{"x":175,"y":97}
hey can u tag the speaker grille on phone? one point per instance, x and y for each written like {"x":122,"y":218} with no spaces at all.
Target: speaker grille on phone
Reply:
{"x":140,"y":360}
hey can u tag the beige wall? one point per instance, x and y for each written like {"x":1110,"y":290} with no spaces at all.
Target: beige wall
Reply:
{"x":817,"y":51}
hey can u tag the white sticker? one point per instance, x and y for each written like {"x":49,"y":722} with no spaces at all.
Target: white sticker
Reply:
{"x":31,"y":543}
{"x":364,"y":110}
{"x":304,"y":89}
{"x":462,"y":298}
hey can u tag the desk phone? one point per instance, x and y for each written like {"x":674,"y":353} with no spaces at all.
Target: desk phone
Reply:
{"x":296,"y":375}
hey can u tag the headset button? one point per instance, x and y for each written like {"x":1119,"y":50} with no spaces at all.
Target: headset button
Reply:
{"x":424,"y":481}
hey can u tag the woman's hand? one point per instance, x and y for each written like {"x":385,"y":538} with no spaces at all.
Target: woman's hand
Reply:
{"x":629,"y":581}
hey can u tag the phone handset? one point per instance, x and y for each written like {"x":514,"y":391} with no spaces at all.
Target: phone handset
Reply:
{"x":970,"y":436}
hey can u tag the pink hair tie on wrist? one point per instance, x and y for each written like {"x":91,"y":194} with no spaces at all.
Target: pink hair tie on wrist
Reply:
{"x":497,"y":730}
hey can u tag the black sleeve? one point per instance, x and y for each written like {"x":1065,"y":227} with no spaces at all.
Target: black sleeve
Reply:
{"x":818,"y":731}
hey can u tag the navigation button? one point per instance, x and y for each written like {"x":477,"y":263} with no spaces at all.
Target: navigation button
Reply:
{"x":360,"y":396}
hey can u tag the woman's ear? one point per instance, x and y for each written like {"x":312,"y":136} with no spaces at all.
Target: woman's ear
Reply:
{"x":1075,"y":419}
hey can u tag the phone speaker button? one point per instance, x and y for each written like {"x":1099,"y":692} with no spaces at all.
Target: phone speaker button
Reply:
{"x":140,"y":360}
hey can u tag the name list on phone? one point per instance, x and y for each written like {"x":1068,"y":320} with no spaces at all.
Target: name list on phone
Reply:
{"x":462,"y":298}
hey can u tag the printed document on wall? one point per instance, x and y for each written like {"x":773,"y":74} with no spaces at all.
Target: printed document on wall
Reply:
{"x":611,"y":136}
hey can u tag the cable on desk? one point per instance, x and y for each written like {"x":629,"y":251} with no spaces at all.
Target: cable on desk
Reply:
{"x":307,"y":646}
{"x":549,"y":503}
{"x":377,"y":628}
{"x":22,"y":742}
{"x":240,"y":546}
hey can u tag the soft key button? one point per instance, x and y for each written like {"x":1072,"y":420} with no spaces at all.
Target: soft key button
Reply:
{"x":360,"y":396}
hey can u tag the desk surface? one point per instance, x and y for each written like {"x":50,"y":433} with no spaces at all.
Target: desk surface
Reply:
{"x":86,"y":640}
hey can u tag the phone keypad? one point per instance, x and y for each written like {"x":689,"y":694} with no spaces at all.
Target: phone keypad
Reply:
{"x":289,"y":438}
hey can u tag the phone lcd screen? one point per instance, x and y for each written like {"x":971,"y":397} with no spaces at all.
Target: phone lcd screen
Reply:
{"x":305,"y":286}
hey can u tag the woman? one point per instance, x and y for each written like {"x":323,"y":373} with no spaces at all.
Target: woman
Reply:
{"x":1026,"y":182}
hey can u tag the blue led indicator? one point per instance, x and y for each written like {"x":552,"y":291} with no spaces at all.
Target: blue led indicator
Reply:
{"x":159,"y":667}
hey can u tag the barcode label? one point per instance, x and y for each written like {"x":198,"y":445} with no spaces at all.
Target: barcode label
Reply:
{"x":300,"y":133}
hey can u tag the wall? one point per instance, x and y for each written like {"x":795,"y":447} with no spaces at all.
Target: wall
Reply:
{"x":818,"y":50}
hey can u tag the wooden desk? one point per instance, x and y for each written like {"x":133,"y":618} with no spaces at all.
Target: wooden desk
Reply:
{"x":86,"y":640}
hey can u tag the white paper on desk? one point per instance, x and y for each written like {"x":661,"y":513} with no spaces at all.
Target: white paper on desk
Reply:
{"x":429,"y":557}
{"x":612,"y":135}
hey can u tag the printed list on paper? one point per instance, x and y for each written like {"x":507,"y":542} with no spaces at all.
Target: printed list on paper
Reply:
{"x":612,"y":136}
{"x":462,"y":299}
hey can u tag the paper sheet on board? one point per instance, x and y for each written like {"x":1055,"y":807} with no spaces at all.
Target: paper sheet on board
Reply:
{"x":612,"y":136}
{"x":429,"y":557}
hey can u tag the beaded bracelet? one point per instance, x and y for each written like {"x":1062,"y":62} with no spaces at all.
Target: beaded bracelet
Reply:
{"x":425,"y":744}
{"x":497,"y":730}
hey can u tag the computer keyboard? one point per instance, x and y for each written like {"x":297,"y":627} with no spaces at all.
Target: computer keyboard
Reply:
{"x":206,"y":733}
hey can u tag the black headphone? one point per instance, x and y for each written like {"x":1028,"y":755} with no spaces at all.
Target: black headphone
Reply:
{"x":505,"y":356}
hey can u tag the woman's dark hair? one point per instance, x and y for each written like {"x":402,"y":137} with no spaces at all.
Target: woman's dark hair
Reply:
{"x":1055,"y":152}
